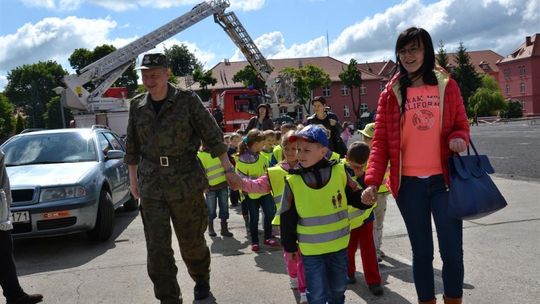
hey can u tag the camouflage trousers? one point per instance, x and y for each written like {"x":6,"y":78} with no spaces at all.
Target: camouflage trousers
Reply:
{"x":189,"y":218}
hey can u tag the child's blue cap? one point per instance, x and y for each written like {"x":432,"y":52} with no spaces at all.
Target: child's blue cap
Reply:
{"x":311,"y":133}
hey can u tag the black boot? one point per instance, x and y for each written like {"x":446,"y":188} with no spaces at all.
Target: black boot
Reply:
{"x":211,"y":231}
{"x":27,"y":299}
{"x":201,"y":291}
{"x":225,"y":229}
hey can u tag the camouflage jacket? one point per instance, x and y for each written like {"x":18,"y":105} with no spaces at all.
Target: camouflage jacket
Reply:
{"x":175,"y":134}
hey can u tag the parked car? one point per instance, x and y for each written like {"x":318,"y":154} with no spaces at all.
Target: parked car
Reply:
{"x":67,"y":181}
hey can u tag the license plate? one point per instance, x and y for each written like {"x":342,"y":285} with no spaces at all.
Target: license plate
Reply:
{"x":21,"y":217}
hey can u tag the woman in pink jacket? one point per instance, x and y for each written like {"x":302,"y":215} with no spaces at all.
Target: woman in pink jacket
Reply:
{"x":420,"y":122}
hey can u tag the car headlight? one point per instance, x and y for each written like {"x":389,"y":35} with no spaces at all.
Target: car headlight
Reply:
{"x":60,"y":193}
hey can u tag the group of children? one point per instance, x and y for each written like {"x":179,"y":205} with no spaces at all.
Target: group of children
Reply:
{"x":313,"y":197}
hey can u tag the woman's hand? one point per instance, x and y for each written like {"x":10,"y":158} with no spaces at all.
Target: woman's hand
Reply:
{"x":457,"y":145}
{"x":369,"y":196}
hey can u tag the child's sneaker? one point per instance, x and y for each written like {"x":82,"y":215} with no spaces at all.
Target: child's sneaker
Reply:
{"x":254,"y":247}
{"x":303,"y":298}
{"x":293,"y":282}
{"x":271,"y":242}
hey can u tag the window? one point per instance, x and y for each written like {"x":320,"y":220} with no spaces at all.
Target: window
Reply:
{"x":363,"y":90}
{"x":363,"y":107}
{"x":326,"y":91}
{"x":104,"y":144}
{"x":114,"y":141}
{"x":522,"y":88}
{"x":346,"y":112}
{"x":299,"y":112}
{"x":522,"y":70}
{"x":344,"y":90}
{"x":282,"y":111}
{"x":506,"y":72}
{"x":507,"y":89}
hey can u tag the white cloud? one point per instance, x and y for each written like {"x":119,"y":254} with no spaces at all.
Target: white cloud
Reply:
{"x":125,"y":5}
{"x":61,"y":5}
{"x":52,"y":38}
{"x":3,"y":82}
{"x":499,"y":25}
{"x":272,"y":46}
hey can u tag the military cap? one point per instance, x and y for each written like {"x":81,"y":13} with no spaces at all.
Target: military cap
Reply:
{"x":152,"y":61}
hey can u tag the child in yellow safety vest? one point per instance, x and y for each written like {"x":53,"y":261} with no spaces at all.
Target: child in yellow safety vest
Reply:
{"x":382,"y":196}
{"x":268,"y":148}
{"x":274,"y":181}
{"x":217,"y":192}
{"x":314,"y":217}
{"x":251,"y":164}
{"x":362,"y":225}
{"x":277,"y":153}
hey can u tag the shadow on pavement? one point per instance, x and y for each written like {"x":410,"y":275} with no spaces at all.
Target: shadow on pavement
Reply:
{"x":228,"y":246}
{"x":267,"y":259}
{"x":36,"y":255}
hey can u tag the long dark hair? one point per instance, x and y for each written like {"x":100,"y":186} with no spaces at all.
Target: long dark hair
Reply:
{"x":421,"y":37}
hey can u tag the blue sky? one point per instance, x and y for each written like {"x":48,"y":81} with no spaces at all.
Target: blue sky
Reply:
{"x":33,"y":30}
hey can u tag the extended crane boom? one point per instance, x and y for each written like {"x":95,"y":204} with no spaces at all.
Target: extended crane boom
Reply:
{"x":104,"y":72}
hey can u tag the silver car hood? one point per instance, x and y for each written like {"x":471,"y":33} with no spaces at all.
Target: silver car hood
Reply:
{"x":49,"y":174}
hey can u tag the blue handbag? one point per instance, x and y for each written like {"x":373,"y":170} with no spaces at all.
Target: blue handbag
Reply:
{"x":472,"y":193}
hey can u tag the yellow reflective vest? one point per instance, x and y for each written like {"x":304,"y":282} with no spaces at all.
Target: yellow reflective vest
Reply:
{"x":268,"y":156}
{"x":323,"y":224}
{"x":252,"y":170}
{"x":213,"y":168}
{"x":278,"y":153}
{"x":276,"y":177}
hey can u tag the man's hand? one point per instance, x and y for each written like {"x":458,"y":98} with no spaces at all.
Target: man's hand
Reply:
{"x":457,"y":145}
{"x":133,"y":181}
{"x":234,"y":180}
{"x":369,"y":196}
{"x":134,"y":188}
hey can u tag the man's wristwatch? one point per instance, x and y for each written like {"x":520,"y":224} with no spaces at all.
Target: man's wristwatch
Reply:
{"x":230,"y":170}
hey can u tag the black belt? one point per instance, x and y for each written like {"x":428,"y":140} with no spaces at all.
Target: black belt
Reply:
{"x":163,"y":161}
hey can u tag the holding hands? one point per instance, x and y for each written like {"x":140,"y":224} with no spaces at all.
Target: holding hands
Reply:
{"x":369,"y":196}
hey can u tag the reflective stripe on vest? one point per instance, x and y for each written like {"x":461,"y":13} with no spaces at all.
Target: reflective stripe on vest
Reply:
{"x":276,"y":177}
{"x":253,"y":171}
{"x":213,"y":168}
{"x":357,"y":217}
{"x":323,"y":225}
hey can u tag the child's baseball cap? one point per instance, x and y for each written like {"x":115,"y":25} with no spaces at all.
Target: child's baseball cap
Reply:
{"x":369,"y":129}
{"x":311,"y":133}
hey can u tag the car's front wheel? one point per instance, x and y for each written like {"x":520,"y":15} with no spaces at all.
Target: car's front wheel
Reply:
{"x":104,"y":221}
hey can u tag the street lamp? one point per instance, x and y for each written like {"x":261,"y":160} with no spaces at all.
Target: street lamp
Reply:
{"x":59,"y":91}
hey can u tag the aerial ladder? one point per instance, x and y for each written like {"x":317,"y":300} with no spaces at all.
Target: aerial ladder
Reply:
{"x":84,"y":92}
{"x":105,"y":71}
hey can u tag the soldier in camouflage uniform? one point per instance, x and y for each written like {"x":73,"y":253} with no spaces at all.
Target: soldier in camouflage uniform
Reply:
{"x":165,"y":128}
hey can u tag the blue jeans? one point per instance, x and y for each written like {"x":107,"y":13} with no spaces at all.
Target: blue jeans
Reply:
{"x":326,"y":277}
{"x":417,"y":200}
{"x":214,"y":197}
{"x":269,"y":211}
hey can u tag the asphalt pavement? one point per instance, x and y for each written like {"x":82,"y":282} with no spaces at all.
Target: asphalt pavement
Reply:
{"x":501,"y":258}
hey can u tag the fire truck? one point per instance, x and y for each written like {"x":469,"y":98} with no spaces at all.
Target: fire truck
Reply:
{"x":89,"y":95}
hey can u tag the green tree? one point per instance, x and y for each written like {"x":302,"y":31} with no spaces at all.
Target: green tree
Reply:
{"x":20,"y":123}
{"x":305,"y":80}
{"x":487,"y":100}
{"x":465,"y":74}
{"x":351,"y":78}
{"x":53,"y":117}
{"x":30,"y":87}
{"x":250,"y":78}
{"x":442,"y":57}
{"x":513,"y":109}
{"x":80,"y":58}
{"x":181,"y":61}
{"x":6,"y":117}
{"x":204,"y":78}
